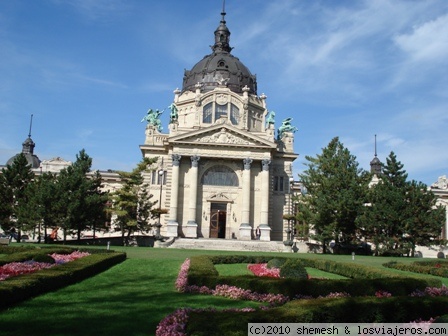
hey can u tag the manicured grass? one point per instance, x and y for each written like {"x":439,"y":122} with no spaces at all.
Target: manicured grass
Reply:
{"x":233,"y":269}
{"x":130,"y":298}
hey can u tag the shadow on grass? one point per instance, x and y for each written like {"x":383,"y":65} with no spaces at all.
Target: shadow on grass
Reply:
{"x":128,"y":299}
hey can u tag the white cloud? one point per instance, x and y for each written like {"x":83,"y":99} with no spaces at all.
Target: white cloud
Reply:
{"x":427,"y":42}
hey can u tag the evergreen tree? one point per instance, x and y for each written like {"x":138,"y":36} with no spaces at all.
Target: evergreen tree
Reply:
{"x":132,"y":203}
{"x":423,"y":220}
{"x":43,"y":206}
{"x":81,"y":200}
{"x":382,"y":221}
{"x":14,"y":180}
{"x":336,"y":192}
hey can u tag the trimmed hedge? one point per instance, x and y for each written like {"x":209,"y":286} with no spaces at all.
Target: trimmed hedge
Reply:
{"x":19,"y":288}
{"x":341,"y":310}
{"x":203,"y":273}
{"x":421,"y":267}
{"x":31,"y":253}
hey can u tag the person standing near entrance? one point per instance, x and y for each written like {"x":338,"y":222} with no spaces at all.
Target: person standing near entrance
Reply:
{"x":258,"y":232}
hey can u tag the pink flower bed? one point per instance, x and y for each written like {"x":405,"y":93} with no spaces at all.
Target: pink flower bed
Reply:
{"x":225,"y":290}
{"x":263,"y":270}
{"x":64,"y":258}
{"x":18,"y":268}
{"x":174,"y":324}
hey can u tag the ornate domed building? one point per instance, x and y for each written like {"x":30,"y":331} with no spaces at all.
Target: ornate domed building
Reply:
{"x":222,"y":171}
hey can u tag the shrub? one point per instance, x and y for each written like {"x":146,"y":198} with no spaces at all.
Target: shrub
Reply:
{"x":293,"y":268}
{"x":276,"y":263}
{"x":44,"y":258}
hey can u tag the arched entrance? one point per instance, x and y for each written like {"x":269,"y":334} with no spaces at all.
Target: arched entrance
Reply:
{"x":218,"y":218}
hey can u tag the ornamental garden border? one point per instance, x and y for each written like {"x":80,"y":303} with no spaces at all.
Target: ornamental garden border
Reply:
{"x":361,"y":306}
{"x":22,"y":287}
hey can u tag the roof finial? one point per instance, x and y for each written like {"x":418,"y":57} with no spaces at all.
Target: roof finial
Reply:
{"x":375,"y":145}
{"x":222,"y":34}
{"x":31,"y":125}
{"x":223,"y":13}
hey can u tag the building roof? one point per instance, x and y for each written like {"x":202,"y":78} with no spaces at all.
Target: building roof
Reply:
{"x":220,"y":67}
{"x":27,"y":150}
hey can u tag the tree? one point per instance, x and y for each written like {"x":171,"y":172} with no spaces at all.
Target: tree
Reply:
{"x":81,"y":201}
{"x":132,"y":203}
{"x":400,"y":214}
{"x":423,"y":220}
{"x":336,"y":193}
{"x":14,"y":180}
{"x":381,"y":221}
{"x":41,"y":206}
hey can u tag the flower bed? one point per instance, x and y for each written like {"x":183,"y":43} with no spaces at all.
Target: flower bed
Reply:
{"x":30,"y":266}
{"x":263,"y":270}
{"x":175,"y":323}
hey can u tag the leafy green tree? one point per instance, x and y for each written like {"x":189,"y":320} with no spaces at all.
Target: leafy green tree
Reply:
{"x":381,"y":221}
{"x":40,"y":209}
{"x":14,"y":180}
{"x":81,"y":201}
{"x":336,"y":193}
{"x":423,"y":220}
{"x":132,"y":203}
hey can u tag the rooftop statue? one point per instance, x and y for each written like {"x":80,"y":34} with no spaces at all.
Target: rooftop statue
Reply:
{"x":173,"y":113}
{"x":153,"y":118}
{"x":271,"y":118}
{"x":286,"y":127}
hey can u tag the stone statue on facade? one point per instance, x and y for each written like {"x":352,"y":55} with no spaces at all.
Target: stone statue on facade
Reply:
{"x":153,"y":118}
{"x":173,"y":114}
{"x":286,"y":127}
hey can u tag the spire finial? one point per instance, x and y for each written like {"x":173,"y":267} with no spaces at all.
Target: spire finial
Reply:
{"x":375,"y":145}
{"x":31,"y":125}
{"x":222,"y":34}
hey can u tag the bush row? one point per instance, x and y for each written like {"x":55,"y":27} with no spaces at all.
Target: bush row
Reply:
{"x":438,"y":271}
{"x":347,"y":269}
{"x":341,"y":310}
{"x":203,"y":273}
{"x":32,"y":254}
{"x":19,"y":288}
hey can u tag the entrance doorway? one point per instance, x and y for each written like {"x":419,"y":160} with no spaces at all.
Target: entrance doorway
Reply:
{"x":218,"y":217}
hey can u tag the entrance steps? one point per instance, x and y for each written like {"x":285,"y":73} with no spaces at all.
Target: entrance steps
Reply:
{"x":229,"y":245}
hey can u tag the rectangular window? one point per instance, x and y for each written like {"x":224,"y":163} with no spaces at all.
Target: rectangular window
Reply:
{"x":234,"y":114}
{"x":279,"y":183}
{"x":154,"y":177}
{"x":207,"y":114}
{"x":161,"y":178}
{"x":220,"y":110}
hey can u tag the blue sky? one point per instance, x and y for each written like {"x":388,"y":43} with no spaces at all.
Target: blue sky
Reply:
{"x":88,"y":70}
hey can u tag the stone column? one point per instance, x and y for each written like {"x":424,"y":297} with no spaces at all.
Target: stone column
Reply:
{"x":191,"y":230}
{"x":173,"y":225}
{"x":264,"y":206}
{"x":245,"y":227}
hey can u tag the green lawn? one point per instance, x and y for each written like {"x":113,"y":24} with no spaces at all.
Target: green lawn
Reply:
{"x":130,"y":298}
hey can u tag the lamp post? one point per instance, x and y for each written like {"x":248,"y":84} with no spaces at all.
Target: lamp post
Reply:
{"x":288,"y":241}
{"x":159,"y":225}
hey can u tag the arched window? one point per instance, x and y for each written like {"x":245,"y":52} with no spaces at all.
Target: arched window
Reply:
{"x":212,"y":112}
{"x":220,"y":176}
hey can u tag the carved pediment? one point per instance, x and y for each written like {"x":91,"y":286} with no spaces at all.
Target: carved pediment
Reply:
{"x":222,"y":135}
{"x":219,"y":197}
